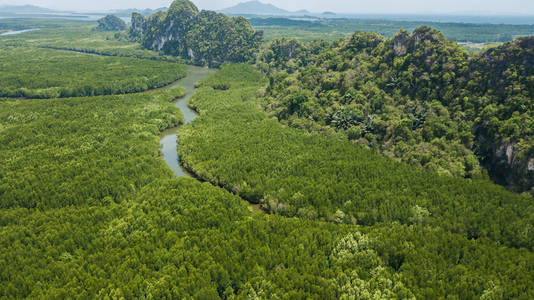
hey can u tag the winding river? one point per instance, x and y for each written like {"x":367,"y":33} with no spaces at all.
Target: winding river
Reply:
{"x":169,"y":137}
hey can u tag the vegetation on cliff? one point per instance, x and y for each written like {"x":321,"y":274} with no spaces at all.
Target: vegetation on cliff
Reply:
{"x":502,"y":82}
{"x":204,"y":37}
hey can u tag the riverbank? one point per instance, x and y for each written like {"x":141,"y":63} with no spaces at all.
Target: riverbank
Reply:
{"x":169,"y":137}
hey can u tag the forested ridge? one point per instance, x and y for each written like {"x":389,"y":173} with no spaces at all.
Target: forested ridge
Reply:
{"x":111,"y":23}
{"x":418,"y":98}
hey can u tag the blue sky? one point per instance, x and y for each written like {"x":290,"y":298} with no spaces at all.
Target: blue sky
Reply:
{"x":340,"y":6}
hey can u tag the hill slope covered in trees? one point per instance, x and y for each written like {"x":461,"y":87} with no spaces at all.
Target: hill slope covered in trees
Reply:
{"x":418,"y":98}
{"x":111,"y":23}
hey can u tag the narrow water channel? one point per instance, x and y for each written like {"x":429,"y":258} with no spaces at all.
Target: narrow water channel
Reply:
{"x":18,"y":31}
{"x":169,"y":137}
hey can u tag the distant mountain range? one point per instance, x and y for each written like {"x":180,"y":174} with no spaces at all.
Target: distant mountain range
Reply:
{"x":12,"y":10}
{"x":260,"y":8}
{"x":24,"y":9}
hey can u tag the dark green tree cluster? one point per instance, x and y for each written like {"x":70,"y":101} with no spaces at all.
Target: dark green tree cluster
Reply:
{"x":45,"y":73}
{"x":111,"y":23}
{"x":418,"y":98}
{"x":204,"y":37}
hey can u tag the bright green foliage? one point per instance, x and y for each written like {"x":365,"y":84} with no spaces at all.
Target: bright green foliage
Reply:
{"x":57,"y":153}
{"x":89,"y":210}
{"x":45,"y":73}
{"x":293,"y":173}
{"x":181,"y":239}
{"x":434,"y":263}
{"x":203,"y":37}
{"x":110,"y":222}
{"x":96,"y":214}
{"x":111,"y":23}
{"x":418,"y":98}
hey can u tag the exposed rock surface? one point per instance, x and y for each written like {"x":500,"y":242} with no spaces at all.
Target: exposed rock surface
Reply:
{"x":503,"y":77}
{"x":401,"y":43}
{"x":404,"y":95}
{"x":137,"y":27}
{"x":512,"y":167}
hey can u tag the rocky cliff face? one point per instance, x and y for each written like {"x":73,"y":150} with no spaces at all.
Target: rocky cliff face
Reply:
{"x":512,"y":166}
{"x":495,"y":88}
{"x":203,"y":37}
{"x":403,"y":43}
{"x":503,"y":77}
{"x":137,"y":27}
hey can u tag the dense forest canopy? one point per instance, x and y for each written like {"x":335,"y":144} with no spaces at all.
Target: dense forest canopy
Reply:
{"x":74,"y":161}
{"x":418,"y":98}
{"x":502,"y":80}
{"x":46,"y":73}
{"x":204,"y":37}
{"x":98,"y":215}
{"x":89,"y":209}
{"x":293,"y":173}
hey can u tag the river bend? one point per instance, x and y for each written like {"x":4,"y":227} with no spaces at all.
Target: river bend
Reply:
{"x":169,"y":137}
